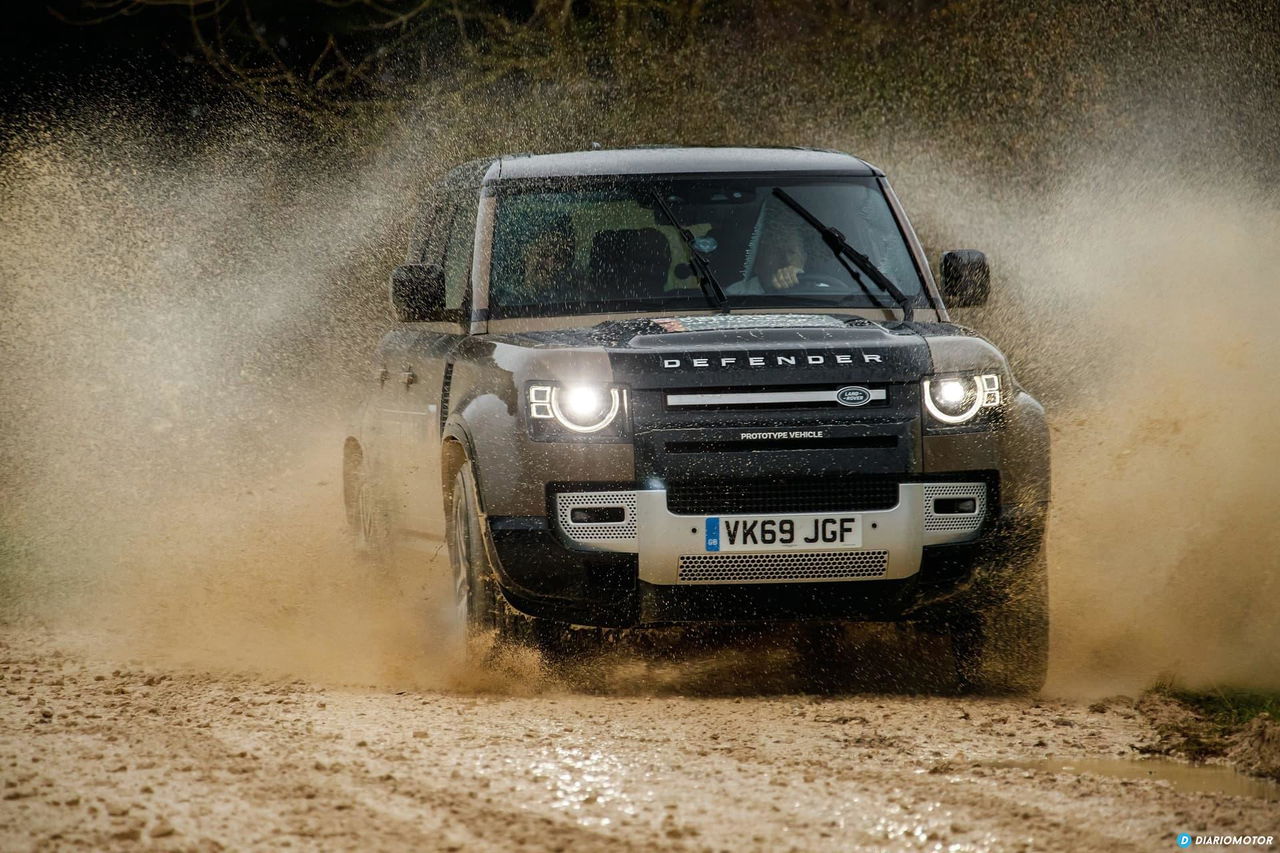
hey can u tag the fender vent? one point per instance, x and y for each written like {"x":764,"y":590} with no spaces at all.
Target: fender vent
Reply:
{"x":444,"y":394}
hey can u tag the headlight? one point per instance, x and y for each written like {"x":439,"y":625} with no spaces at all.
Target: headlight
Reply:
{"x":954,"y":400}
{"x":581,"y":408}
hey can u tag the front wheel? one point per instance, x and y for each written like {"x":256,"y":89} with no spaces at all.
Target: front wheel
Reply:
{"x":366,"y":516}
{"x":1000,"y":644}
{"x":475,"y":596}
{"x":482,"y":615}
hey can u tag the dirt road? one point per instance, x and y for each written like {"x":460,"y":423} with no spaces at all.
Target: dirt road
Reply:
{"x":102,"y":754}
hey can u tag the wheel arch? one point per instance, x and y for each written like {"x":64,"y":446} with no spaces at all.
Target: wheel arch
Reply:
{"x":457,"y":450}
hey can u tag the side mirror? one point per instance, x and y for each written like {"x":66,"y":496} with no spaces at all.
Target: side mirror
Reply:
{"x":417,"y":293}
{"x":966,"y":278}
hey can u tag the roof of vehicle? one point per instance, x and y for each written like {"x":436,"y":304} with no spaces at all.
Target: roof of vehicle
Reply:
{"x":659,"y":160}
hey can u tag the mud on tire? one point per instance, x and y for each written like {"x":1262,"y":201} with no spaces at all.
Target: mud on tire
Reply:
{"x":482,"y":611}
{"x":473,"y":586}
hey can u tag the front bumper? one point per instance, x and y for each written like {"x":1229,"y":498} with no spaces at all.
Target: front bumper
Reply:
{"x":629,"y":574}
{"x":673,"y":548}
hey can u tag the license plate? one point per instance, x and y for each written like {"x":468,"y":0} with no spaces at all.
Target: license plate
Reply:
{"x":783,"y":532}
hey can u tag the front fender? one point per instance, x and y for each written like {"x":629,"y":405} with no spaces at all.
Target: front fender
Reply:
{"x":1024,"y":455}
{"x":512,"y":470}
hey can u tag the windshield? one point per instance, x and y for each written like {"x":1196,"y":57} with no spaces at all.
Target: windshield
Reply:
{"x":571,"y":246}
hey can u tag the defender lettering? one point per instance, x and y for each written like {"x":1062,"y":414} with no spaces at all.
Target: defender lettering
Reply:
{"x":775,"y":360}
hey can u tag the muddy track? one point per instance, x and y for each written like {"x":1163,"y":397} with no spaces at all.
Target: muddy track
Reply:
{"x":100,"y":754}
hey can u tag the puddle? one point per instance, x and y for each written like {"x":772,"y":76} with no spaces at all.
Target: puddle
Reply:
{"x":1187,"y":778}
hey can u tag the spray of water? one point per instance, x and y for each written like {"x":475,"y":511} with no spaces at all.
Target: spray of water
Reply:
{"x":186,"y":334}
{"x":1138,"y":301}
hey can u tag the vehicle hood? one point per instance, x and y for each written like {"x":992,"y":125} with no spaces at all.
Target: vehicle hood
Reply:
{"x":738,"y":349}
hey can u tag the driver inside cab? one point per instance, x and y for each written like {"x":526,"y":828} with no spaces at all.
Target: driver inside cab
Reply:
{"x":548,"y":266}
{"x":779,"y":263}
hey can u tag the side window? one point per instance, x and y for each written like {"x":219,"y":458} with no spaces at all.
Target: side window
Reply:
{"x":457,"y":260}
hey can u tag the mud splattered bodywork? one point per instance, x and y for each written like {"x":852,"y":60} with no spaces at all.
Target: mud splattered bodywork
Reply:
{"x":796,"y":450}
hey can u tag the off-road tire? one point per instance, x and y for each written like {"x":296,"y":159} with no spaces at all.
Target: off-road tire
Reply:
{"x":476,"y":599}
{"x":367,"y":517}
{"x":481,"y":607}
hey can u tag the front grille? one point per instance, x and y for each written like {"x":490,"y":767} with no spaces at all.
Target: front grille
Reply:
{"x":825,"y":396}
{"x":814,"y":494}
{"x":745,"y":568}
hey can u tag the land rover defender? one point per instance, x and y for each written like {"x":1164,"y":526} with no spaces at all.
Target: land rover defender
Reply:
{"x":674,"y":386}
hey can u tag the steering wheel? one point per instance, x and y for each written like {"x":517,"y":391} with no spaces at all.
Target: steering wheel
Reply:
{"x":813,"y":284}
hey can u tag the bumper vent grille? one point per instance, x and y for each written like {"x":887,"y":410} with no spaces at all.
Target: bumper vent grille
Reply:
{"x":830,"y":494}
{"x":597,"y":532}
{"x":748,"y":568}
{"x":935,"y":522}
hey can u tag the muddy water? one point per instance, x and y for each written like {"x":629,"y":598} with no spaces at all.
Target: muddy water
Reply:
{"x":1189,"y":778}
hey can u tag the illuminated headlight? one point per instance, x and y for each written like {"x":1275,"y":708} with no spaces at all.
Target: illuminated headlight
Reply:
{"x":580,"y":408}
{"x":954,"y":400}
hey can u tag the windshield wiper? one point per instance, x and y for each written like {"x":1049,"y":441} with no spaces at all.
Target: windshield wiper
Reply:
{"x":841,"y":249}
{"x":706,"y":278}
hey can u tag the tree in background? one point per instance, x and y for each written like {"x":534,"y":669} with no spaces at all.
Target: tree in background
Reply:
{"x":1014,"y":87}
{"x":325,"y":56}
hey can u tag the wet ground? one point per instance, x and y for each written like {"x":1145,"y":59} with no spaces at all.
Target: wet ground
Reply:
{"x":1189,"y":778}
{"x":99,"y":753}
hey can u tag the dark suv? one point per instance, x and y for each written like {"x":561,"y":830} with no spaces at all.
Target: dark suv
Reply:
{"x":691,"y":385}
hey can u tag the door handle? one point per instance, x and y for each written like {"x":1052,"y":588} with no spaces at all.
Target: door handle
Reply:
{"x":407,"y":376}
